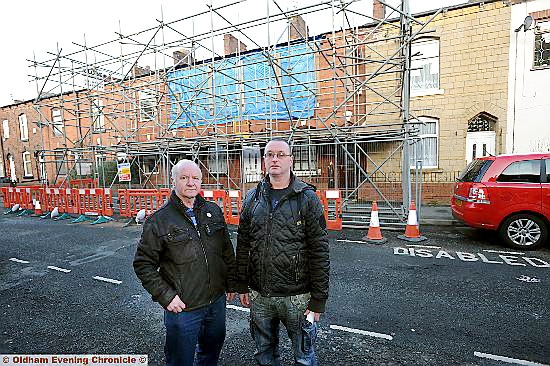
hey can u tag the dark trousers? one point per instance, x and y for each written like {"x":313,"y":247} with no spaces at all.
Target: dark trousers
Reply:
{"x":266,"y":313}
{"x":200,"y":331}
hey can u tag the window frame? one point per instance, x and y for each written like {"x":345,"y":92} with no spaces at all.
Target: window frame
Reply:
{"x":305,"y":160}
{"x":23,"y":127}
{"x":537,"y":162}
{"x":421,"y":138}
{"x":221,"y":167}
{"x":6,"y":129}
{"x":57,"y":123}
{"x":27,"y":173}
{"x":96,"y":115}
{"x":2,"y":169}
{"x":147,"y":100}
{"x":541,"y":34}
{"x":415,"y":65}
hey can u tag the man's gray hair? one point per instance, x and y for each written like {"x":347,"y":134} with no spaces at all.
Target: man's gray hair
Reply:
{"x":180,"y":164}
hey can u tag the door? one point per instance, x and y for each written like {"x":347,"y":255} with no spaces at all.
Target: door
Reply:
{"x":479,"y":144}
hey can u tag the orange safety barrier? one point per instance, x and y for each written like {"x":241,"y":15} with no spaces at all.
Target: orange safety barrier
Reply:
{"x":131,"y":201}
{"x":332,"y":201}
{"x":233,"y":207}
{"x":6,"y":197}
{"x":84,"y":183}
{"x":89,"y":201}
{"x":55,"y":197}
{"x":165,"y":192}
{"x":219,"y":196}
{"x":34,"y":193}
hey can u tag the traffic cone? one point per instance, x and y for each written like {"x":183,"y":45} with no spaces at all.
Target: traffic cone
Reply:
{"x":374,"y":235}
{"x":412,"y":232}
{"x":37,"y":209}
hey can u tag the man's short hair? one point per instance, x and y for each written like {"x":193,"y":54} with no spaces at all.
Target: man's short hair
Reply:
{"x":180,"y":164}
{"x":281,"y":140}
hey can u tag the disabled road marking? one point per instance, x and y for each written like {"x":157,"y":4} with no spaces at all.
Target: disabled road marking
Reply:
{"x":363,"y":332}
{"x":18,"y":260}
{"x":507,"y":359}
{"x":502,"y":252}
{"x":351,"y":241}
{"x":239,"y":308}
{"x":59,"y":269}
{"x":99,"y":278}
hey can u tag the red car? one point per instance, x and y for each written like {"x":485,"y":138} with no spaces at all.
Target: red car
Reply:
{"x":507,"y":193}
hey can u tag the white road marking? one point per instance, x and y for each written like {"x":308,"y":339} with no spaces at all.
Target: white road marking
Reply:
{"x":352,"y":241}
{"x":235,"y":307}
{"x":363,"y":332}
{"x":507,"y":359}
{"x":59,"y":269}
{"x":423,"y":246}
{"x":116,"y":282}
{"x":18,"y":260}
{"x":502,"y":252}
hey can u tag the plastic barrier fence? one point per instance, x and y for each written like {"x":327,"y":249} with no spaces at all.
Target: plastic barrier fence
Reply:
{"x":332,"y":201}
{"x":233,"y":207}
{"x":132,"y":201}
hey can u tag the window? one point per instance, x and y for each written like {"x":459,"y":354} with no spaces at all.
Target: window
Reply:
{"x":147,"y":105}
{"x":23,"y":127}
{"x":2,"y":174}
{"x":426,"y":147}
{"x":149,"y":165}
{"x":527,"y":171}
{"x":547,"y":161}
{"x":542,"y":44}
{"x":6,"y":129}
{"x":98,"y":120}
{"x":27,"y":166}
{"x":42,"y":167}
{"x":305,"y":159}
{"x":252,"y":164}
{"x":13,"y":174}
{"x":217,"y":161}
{"x":60,"y":166}
{"x":57,"y":122}
{"x":425,"y":66}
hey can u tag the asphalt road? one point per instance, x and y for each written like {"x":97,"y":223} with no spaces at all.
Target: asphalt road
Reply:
{"x":461,"y":299}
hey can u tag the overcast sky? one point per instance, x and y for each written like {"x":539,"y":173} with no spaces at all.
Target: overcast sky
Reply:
{"x":33,"y":28}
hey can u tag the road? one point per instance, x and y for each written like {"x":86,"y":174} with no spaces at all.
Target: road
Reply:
{"x":458,"y":299}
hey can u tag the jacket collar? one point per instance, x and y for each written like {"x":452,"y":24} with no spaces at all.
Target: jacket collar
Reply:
{"x":199,"y":202}
{"x":296,"y":184}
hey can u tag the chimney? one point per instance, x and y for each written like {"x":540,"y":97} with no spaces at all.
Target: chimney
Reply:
{"x":183,"y":57}
{"x":232,"y":45}
{"x":298,"y":28}
{"x":138,"y":71}
{"x":378,"y":10}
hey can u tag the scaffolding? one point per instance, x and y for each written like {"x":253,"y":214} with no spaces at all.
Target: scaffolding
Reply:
{"x":221,"y":83}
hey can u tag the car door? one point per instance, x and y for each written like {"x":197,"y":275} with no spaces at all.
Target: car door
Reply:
{"x":545,"y":196}
{"x":518,"y":188}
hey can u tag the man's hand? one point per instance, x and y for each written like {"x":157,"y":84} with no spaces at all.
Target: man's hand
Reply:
{"x":176,"y":305}
{"x":316,"y":316}
{"x":231,"y":296}
{"x":245,"y":300}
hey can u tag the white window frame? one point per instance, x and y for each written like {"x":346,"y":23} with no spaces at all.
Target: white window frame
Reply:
{"x":2,"y":172}
{"x":57,"y":122}
{"x":42,"y":167}
{"x":218,"y":166}
{"x":421,"y":143}
{"x":23,"y":127}
{"x":27,"y":165}
{"x":542,"y":32}
{"x":426,"y":61}
{"x":252,"y":164}
{"x":96,"y":115}
{"x":60,"y":164}
{"x":305,"y":160}
{"x":6,"y":129}
{"x":147,"y":105}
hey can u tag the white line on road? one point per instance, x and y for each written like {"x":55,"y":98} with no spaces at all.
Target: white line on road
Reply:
{"x":359,"y":331}
{"x":116,"y":282}
{"x":507,"y":359}
{"x":502,"y":252}
{"x":352,"y":241}
{"x":423,"y":246}
{"x":59,"y":269}
{"x":18,"y":260}
{"x":235,"y":307}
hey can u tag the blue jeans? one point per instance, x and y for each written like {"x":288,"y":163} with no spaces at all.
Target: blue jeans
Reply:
{"x":266,"y":313}
{"x":200,"y":331}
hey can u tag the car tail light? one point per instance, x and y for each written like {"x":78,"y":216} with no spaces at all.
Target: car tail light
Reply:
{"x":479,"y":194}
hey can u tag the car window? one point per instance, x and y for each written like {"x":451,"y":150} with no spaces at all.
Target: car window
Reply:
{"x":527,"y":171}
{"x":474,"y":171}
{"x":547,"y":170}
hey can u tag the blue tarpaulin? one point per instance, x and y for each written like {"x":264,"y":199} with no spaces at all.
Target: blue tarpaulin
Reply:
{"x":254,"y":86}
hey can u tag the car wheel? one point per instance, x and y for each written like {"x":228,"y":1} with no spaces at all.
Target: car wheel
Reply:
{"x":524,"y":231}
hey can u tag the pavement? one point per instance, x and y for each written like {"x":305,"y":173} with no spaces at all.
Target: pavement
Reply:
{"x":437,"y":216}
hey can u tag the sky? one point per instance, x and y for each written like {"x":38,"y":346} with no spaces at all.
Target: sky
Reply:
{"x":37,"y":29}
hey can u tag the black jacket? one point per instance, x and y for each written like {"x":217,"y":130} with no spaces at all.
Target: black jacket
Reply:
{"x":197,"y":267}
{"x":284,"y":251}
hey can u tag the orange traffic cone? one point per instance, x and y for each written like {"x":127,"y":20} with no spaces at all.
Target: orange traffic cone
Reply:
{"x":374,"y":235}
{"x":412,"y":232}
{"x":37,"y":208}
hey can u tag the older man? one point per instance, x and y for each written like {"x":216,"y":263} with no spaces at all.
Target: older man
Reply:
{"x":185,"y":260}
{"x":283,"y":259}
